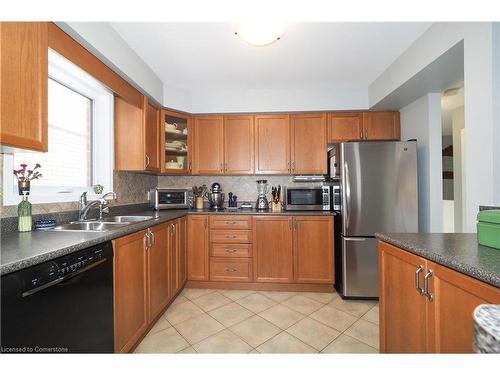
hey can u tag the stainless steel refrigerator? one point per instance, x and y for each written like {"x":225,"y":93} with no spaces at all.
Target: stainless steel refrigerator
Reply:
{"x":379,"y":194}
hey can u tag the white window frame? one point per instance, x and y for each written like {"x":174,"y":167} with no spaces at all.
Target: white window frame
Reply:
{"x":68,"y":74}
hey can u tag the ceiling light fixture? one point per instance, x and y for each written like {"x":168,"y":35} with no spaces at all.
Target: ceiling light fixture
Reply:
{"x":260,"y":33}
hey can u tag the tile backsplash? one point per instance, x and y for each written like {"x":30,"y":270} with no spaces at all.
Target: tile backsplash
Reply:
{"x":242,"y":186}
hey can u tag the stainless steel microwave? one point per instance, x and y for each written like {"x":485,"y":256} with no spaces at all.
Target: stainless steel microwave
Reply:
{"x":307,"y":198}
{"x":164,"y":199}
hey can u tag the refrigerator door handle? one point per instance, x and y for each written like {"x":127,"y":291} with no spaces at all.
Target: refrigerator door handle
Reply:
{"x":347,"y":189}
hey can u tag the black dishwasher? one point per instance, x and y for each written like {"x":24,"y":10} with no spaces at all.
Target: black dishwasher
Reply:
{"x":61,"y":306}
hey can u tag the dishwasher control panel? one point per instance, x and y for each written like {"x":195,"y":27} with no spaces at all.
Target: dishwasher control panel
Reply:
{"x":63,"y":267}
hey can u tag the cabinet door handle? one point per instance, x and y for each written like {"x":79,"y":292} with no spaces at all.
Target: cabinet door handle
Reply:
{"x":428,"y":294}
{"x":289,"y":167}
{"x":231,"y":250}
{"x":152,"y":239}
{"x":147,"y":238}
{"x":417,"y":279}
{"x":361,"y":134}
{"x":174,"y":227}
{"x":221,"y":167}
{"x":293,"y":166}
{"x":231,"y":270}
{"x":190,"y":166}
{"x":147,"y":161}
{"x":366,"y":134}
{"x":290,"y":224}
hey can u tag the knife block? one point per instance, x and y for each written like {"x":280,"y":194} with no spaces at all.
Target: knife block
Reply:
{"x":275,"y":207}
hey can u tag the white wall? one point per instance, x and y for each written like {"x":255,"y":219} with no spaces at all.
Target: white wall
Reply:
{"x":313,"y":99}
{"x":458,"y":174}
{"x":482,"y":183}
{"x":422,"y":120}
{"x":104,"y":42}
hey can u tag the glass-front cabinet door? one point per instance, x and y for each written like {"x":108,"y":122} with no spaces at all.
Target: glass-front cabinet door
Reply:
{"x":176,"y":132}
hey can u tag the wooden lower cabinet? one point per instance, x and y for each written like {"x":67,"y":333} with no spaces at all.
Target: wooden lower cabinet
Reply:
{"x":273,"y":249}
{"x":235,"y":269}
{"x":411,"y":322}
{"x":158,"y":270}
{"x":402,"y":307}
{"x":197,"y":248}
{"x":130,"y":290}
{"x":313,"y":249}
{"x":149,"y":271}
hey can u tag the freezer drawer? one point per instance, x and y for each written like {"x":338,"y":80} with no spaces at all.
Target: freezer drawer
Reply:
{"x":359,"y":267}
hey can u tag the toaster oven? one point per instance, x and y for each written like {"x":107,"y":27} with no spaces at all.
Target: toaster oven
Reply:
{"x":164,"y":199}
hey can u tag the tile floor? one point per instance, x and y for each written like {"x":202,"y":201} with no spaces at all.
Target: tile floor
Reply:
{"x":242,"y":321}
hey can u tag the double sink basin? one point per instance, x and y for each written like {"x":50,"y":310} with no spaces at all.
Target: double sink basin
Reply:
{"x":104,"y":225}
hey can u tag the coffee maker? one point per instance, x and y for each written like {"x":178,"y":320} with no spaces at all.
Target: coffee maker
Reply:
{"x":262,"y":190}
{"x":215,"y":197}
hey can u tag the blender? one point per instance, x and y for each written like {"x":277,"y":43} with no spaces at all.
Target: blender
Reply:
{"x":262,"y":190}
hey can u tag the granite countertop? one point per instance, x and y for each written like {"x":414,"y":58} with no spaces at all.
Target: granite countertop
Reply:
{"x":22,"y":250}
{"x":458,"y":251}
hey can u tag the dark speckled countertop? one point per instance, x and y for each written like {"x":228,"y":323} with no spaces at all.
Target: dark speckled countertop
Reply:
{"x":458,"y":251}
{"x":22,"y":250}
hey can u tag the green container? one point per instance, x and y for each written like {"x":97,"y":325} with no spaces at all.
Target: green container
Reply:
{"x":488,"y":228}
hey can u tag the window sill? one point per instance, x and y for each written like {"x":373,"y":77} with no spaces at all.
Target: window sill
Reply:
{"x":49,"y":199}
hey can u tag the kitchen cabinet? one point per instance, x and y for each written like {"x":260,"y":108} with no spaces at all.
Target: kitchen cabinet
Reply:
{"x":402,"y":307}
{"x":381,"y":126}
{"x":23,"y":86}
{"x":176,"y":137}
{"x":345,"y":126}
{"x":130,"y":267}
{"x":308,"y":144}
{"x":177,"y":247}
{"x":272,"y":144}
{"x":411,"y":321}
{"x":152,"y":137}
{"x":130,"y":153}
{"x":273,"y":249}
{"x":159,"y":270}
{"x":313,"y":249}
{"x":238,"y":145}
{"x":197,"y":248}
{"x":208,"y":154}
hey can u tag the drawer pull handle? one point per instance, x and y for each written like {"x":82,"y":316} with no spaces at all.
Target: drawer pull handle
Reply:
{"x":233,"y":236}
{"x":231,"y":270}
{"x":231,"y":250}
{"x":230,"y":222}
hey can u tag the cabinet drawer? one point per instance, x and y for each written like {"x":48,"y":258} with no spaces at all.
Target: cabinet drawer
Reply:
{"x":240,"y":250}
{"x":231,"y":236}
{"x":230,"y":222}
{"x":223,"y":269}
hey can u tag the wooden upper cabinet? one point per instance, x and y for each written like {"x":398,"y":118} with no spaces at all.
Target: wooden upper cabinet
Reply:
{"x":381,"y":126}
{"x":345,"y":126}
{"x":455,"y":296}
{"x":273,"y":249}
{"x":130,"y":290}
{"x":197,"y":247}
{"x":272,"y":144}
{"x":129,"y":136}
{"x":402,"y":307}
{"x":238,"y":145}
{"x":23,"y":85}
{"x":158,"y":271}
{"x":176,"y":142}
{"x":152,"y":135}
{"x":308,"y":143}
{"x":313,"y":249}
{"x":208,"y":156}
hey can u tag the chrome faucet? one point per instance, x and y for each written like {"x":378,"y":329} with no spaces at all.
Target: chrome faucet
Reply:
{"x":85,"y":206}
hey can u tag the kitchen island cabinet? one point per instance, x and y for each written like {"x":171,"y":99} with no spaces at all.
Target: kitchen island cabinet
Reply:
{"x":426,"y":307}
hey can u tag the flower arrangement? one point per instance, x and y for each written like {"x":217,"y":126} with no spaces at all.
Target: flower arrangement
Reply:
{"x":25,"y":174}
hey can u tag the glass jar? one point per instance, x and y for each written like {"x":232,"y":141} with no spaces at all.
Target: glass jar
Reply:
{"x":24,"y":215}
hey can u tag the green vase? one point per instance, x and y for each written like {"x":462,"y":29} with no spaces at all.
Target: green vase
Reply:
{"x":24,"y":215}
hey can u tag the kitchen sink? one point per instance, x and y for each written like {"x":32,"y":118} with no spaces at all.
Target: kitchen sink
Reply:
{"x":126,"y":219}
{"x":88,"y":226}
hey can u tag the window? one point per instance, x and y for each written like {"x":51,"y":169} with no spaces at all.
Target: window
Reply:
{"x":80,"y":114}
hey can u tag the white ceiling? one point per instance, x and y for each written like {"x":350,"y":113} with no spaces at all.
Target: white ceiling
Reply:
{"x":201,"y":56}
